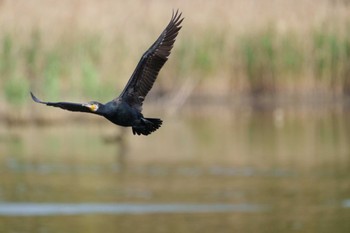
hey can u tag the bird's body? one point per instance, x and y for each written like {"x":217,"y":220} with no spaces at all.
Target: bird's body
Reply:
{"x":125,"y":110}
{"x":120,"y":113}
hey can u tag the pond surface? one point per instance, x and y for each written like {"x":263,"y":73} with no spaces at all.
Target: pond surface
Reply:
{"x":213,"y":171}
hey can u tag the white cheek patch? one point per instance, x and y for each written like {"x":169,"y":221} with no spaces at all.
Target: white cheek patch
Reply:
{"x":94,"y":107}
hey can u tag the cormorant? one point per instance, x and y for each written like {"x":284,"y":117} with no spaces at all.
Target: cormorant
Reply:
{"x":125,"y":110}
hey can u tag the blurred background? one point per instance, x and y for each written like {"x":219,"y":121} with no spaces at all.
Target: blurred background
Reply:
{"x":255,"y":104}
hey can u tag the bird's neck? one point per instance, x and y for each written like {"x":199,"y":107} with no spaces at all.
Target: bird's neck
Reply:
{"x":101,"y":110}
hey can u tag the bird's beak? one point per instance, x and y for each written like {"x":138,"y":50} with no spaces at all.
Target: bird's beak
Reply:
{"x":92,"y":107}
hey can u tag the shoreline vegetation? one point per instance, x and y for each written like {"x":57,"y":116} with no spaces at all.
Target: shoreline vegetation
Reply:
{"x":230,"y":52}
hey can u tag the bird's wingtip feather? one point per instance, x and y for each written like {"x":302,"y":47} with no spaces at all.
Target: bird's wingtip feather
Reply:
{"x":35,"y":98}
{"x":176,"y":15}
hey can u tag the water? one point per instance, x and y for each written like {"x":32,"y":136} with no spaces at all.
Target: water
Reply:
{"x":44,"y":209}
{"x":216,"y":171}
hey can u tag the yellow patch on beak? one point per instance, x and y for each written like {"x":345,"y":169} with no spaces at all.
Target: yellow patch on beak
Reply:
{"x":92,"y":107}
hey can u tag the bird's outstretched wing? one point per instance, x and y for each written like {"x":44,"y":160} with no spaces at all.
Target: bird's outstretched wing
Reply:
{"x":75,"y":107}
{"x":150,"y":64}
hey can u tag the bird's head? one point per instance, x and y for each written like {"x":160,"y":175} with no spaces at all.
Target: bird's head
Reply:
{"x":93,"y":106}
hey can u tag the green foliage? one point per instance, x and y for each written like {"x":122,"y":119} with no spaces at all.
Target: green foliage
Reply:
{"x":16,"y":90}
{"x":259,"y":56}
{"x":265,"y":59}
{"x":32,"y":53}
{"x":7,"y":56}
{"x":269,"y":58}
{"x":51,"y":73}
{"x":325,"y":53}
{"x":346,"y":65}
{"x":331,"y":58}
{"x":90,"y":78}
{"x":89,"y":52}
{"x":15,"y":87}
{"x":199,"y":55}
{"x":291,"y":57}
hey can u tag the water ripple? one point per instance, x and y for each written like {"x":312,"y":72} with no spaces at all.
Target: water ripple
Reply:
{"x":43,"y":209}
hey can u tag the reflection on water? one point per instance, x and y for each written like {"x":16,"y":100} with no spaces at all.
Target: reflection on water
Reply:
{"x":276,"y":171}
{"x":346,"y":203}
{"x":37,"y":209}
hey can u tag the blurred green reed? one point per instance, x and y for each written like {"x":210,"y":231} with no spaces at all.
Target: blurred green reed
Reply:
{"x":270,"y":59}
{"x":331,"y":59}
{"x":259,"y":57}
{"x":83,"y":65}
{"x":198,"y":57}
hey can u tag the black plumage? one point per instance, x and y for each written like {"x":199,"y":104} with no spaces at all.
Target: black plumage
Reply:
{"x":125,"y":110}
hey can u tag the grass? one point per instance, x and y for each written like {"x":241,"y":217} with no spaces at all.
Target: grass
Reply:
{"x":259,"y":57}
{"x":83,"y":60}
{"x":198,"y":57}
{"x":331,"y":59}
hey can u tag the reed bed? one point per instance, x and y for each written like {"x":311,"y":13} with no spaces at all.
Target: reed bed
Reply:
{"x":88,"y":49}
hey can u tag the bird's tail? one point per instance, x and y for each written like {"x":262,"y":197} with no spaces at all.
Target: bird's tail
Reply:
{"x":147,"y":126}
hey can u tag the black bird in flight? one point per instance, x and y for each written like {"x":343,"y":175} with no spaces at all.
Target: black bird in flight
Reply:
{"x":125,"y":110}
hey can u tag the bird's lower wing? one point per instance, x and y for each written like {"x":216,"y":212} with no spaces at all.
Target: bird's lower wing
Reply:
{"x":75,"y":107}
